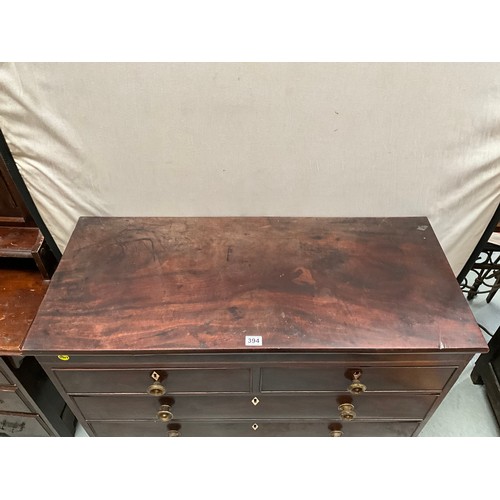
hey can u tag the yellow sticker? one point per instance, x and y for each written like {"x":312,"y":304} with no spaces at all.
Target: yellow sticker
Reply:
{"x":63,"y":357}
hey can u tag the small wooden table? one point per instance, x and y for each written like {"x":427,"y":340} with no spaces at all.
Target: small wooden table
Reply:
{"x":254,"y":326}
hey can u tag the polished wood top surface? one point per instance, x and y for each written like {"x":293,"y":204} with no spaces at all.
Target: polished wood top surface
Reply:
{"x":204,"y":284}
{"x":21,"y":290}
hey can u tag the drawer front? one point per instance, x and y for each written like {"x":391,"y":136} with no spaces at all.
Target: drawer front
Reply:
{"x":3,"y":379}
{"x":338,"y":378}
{"x":175,"y":380}
{"x":10,"y":401}
{"x":20,"y":425}
{"x":253,"y":428}
{"x":284,"y":407}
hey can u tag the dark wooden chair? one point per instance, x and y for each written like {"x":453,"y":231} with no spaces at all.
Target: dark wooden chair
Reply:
{"x":487,"y":269}
{"x":484,"y":262}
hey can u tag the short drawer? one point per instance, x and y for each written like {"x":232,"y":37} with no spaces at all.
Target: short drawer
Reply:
{"x":253,"y":428}
{"x":136,"y":381}
{"x":338,"y":378}
{"x":10,"y":400}
{"x":21,"y":425}
{"x":268,"y":406}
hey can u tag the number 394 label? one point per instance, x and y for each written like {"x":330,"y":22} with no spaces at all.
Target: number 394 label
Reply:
{"x":253,"y":340}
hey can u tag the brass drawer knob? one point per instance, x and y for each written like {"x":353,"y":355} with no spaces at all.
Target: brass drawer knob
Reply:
{"x":347,"y":411}
{"x":336,"y":433}
{"x":164,"y":414}
{"x":356,"y":386}
{"x":156,"y":389}
{"x":173,"y":433}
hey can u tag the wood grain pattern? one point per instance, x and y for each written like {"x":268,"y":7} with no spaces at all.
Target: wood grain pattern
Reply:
{"x":201,"y":284}
{"x":21,"y":291}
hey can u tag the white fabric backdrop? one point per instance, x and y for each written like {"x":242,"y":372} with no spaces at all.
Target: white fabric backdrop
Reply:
{"x":296,"y":139}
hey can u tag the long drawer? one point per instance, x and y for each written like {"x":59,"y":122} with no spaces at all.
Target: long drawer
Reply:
{"x":116,"y":407}
{"x":175,"y":380}
{"x":21,"y":425}
{"x":252,"y":428}
{"x":11,"y":401}
{"x":337,"y":378}
{"x":329,"y":378}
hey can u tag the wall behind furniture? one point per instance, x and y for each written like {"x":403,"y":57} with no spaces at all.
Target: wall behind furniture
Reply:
{"x":288,"y":139}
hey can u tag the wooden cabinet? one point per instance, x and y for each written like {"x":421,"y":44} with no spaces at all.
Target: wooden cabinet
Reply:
{"x":253,"y":326}
{"x":29,"y":404}
{"x":20,"y":237}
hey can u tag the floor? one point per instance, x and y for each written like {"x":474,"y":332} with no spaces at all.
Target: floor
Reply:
{"x":465,"y":412}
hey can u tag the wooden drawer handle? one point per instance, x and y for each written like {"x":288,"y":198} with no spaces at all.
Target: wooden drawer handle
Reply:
{"x":356,"y":386}
{"x":156,"y":389}
{"x":347,"y":411}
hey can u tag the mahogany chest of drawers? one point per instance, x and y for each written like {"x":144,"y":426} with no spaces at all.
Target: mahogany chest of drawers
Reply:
{"x":253,"y":326}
